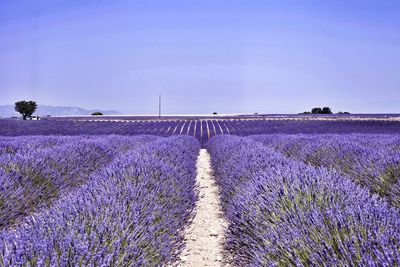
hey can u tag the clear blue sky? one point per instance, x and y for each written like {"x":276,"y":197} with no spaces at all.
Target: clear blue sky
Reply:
{"x":202,"y":56}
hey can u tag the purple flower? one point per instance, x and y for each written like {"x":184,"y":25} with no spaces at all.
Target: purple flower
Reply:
{"x":284,"y":212}
{"x":130,"y":211}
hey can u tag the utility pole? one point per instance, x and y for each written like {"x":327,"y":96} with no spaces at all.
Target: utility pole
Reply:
{"x":159,"y":106}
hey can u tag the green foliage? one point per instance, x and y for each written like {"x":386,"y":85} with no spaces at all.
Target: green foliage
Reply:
{"x":326,"y":110}
{"x":318,"y":110}
{"x":26,"y":108}
{"x":97,"y":113}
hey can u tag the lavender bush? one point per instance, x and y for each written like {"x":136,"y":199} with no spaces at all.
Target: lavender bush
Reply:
{"x":33,"y":174}
{"x":283,"y":212}
{"x":129,"y":214}
{"x":369,"y":160}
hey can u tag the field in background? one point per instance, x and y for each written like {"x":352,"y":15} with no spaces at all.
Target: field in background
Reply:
{"x":203,"y":128}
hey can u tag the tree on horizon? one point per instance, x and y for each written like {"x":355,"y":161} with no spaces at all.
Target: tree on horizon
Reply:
{"x":25,"y":108}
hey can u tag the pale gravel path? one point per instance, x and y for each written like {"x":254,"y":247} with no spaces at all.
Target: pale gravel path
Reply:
{"x":204,"y":237}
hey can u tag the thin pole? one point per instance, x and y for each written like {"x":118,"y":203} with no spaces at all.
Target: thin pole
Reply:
{"x":159,"y":106}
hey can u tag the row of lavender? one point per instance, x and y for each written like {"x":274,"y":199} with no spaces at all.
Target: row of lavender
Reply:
{"x":202,"y":130}
{"x":104,"y":201}
{"x":372,"y":161}
{"x":36,"y":170}
{"x":284,"y":212}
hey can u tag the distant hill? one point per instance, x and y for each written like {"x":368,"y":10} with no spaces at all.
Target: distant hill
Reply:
{"x":42,"y":110}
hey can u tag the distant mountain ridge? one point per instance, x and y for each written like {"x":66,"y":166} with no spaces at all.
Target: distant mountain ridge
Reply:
{"x":43,"y":110}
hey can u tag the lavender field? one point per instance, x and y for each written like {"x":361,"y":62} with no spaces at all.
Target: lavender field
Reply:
{"x":199,"y":133}
{"x":109,"y":201}
{"x":201,"y":128}
{"x":111,"y":193}
{"x":283,"y":212}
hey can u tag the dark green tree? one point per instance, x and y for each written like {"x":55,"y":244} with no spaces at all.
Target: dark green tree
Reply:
{"x":316,"y":111}
{"x":26,"y":108}
{"x":97,"y":113}
{"x":326,"y":110}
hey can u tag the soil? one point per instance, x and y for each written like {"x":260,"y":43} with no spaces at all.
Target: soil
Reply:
{"x":205,"y":236}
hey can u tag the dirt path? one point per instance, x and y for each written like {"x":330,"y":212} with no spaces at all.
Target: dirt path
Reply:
{"x":205,"y":235}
